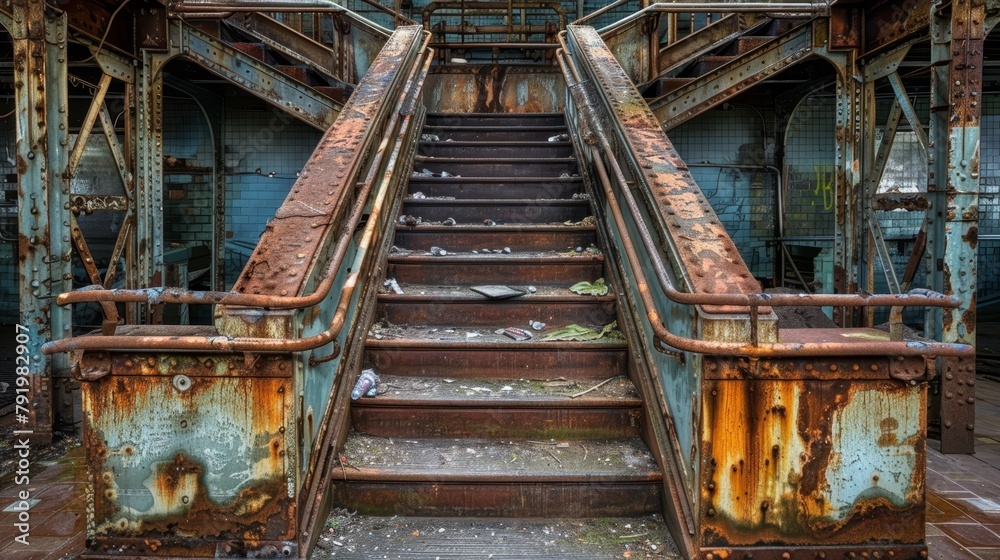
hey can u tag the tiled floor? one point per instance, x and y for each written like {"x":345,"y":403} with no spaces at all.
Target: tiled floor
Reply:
{"x":963,"y":499}
{"x":963,"y":491}
{"x":57,"y":521}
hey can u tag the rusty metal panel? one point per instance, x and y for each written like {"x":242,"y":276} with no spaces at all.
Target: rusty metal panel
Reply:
{"x":892,"y":21}
{"x":494,"y":89}
{"x":44,"y":268}
{"x":630,"y":45}
{"x":812,"y":462}
{"x":179,"y":446}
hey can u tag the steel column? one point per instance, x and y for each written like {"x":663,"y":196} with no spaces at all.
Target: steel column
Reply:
{"x":149,"y":172}
{"x":43,"y":222}
{"x":848,"y":230}
{"x":957,"y":73}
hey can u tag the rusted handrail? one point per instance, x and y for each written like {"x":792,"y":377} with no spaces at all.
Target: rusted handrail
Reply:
{"x":165,"y":295}
{"x":407,"y":104}
{"x":775,"y":10}
{"x":923,"y":298}
{"x":915,"y":298}
{"x":233,"y":6}
{"x":758,"y":350}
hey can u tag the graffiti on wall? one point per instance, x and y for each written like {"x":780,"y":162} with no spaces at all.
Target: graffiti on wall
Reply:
{"x":823,"y":190}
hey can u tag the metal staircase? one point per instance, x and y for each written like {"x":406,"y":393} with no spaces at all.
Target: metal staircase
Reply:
{"x":469,"y":422}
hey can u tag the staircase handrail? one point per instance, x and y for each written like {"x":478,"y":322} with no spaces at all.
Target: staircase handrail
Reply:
{"x":755,"y":302}
{"x":413,"y":71}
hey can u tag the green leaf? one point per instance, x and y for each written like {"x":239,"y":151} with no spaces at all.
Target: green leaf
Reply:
{"x":577,"y":333}
{"x":597,"y":288}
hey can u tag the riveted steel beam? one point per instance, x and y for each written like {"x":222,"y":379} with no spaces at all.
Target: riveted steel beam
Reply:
{"x":956,"y":96}
{"x":148,"y":157}
{"x":734,"y":77}
{"x":88,"y":123}
{"x":43,"y":222}
{"x":851,"y":114}
{"x":911,"y":114}
{"x":108,"y":126}
{"x":296,"y":99}
{"x":886,"y":63}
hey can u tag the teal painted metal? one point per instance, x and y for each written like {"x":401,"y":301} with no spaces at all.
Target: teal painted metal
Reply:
{"x":43,"y":221}
{"x":956,"y":106}
{"x":57,"y":164}
{"x":148,"y":157}
{"x":179,"y":446}
{"x":298,"y":100}
{"x":848,"y":199}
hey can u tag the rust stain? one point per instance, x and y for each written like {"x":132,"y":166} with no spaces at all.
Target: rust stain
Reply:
{"x":767,"y":451}
{"x":262,"y":509}
{"x":972,"y":237}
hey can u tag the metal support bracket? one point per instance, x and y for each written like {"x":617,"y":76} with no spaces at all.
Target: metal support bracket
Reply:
{"x":92,"y":366}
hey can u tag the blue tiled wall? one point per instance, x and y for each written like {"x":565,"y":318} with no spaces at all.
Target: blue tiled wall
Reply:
{"x":188,"y":200}
{"x":278,"y":146}
{"x":742,"y":197}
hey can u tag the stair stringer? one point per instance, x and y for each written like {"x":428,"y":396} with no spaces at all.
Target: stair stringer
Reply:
{"x":738,"y":75}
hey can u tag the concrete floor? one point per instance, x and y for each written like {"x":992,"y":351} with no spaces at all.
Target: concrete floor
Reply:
{"x":963,"y":498}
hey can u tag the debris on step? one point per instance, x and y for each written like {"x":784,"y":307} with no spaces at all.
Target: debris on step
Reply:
{"x":489,"y":223}
{"x":579,"y":249}
{"x":423,"y":173}
{"x":515,"y":333}
{"x":472,"y":335}
{"x":367,"y":385}
{"x":407,"y":220}
{"x":581,"y":196}
{"x":506,"y":250}
{"x":536,"y":325}
{"x":532,"y":289}
{"x":449,"y":222}
{"x":438,"y":252}
{"x":446,"y":175}
{"x":430,"y":138}
{"x":475,"y":252}
{"x":393,"y":285}
{"x":595,"y":288}
{"x":559,"y":138}
{"x":497,"y":292}
{"x":577,"y":333}
{"x":417,"y":195}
